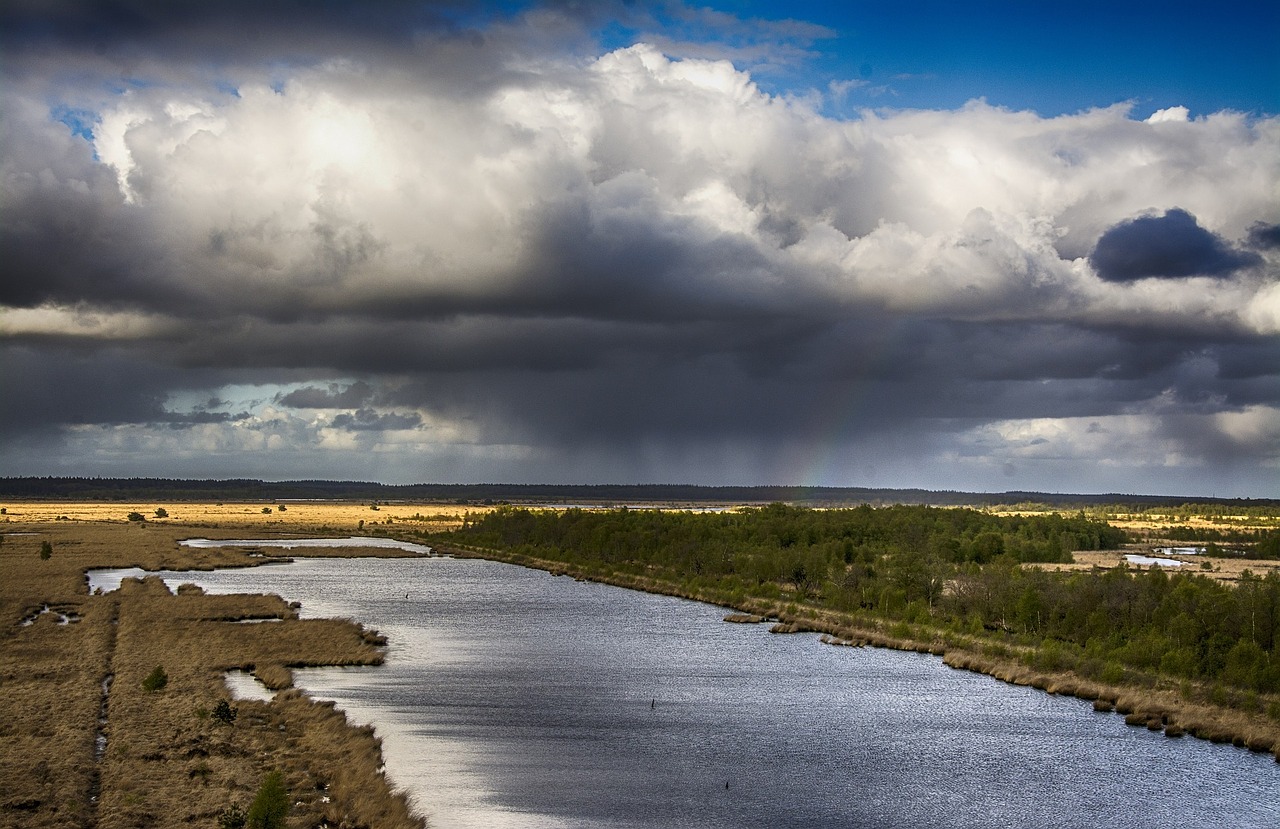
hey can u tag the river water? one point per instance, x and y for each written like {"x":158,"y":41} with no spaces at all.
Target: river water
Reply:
{"x":514,"y":698}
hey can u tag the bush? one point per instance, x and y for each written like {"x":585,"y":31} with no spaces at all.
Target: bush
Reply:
{"x":271,"y":804}
{"x":224,"y":713}
{"x":136,"y":516}
{"x":232,"y":817}
{"x":46,"y":550}
{"x":266,"y":510}
{"x":155,"y":680}
{"x":161,"y":512}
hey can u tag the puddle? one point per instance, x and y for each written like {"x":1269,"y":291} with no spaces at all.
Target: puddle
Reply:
{"x":244,"y":685}
{"x":1146,"y":561}
{"x":65,"y":617}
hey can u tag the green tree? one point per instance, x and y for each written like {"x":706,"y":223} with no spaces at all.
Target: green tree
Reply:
{"x":271,"y":804}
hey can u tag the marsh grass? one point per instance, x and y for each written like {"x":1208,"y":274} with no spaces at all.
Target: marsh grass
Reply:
{"x":163,"y":763}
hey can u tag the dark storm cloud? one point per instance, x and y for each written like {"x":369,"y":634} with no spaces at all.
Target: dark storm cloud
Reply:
{"x":52,"y":387}
{"x":1169,"y":246}
{"x":368,"y":420}
{"x":1264,"y":236}
{"x":184,"y":420}
{"x":335,"y":397}
{"x":355,"y":228}
{"x":125,"y":27}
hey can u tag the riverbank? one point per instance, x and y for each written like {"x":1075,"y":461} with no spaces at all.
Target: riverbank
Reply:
{"x":90,"y":742}
{"x":88,"y":745}
{"x":1177,"y":710}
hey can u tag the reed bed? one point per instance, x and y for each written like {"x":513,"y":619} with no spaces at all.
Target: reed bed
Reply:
{"x":165,"y":759}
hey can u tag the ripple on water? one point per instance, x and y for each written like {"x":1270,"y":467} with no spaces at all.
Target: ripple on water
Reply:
{"x":513,"y":698}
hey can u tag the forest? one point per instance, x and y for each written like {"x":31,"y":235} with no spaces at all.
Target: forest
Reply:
{"x":952,"y":570}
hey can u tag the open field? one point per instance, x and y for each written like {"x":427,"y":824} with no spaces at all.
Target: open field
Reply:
{"x":85,"y":744}
{"x":283,"y":516}
{"x":1151,"y":530}
{"x":1222,"y":568}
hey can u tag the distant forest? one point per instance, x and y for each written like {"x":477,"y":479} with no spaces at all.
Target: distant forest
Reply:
{"x":154,"y":489}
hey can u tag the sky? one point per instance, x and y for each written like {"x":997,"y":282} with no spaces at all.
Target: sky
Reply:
{"x":973,"y":246}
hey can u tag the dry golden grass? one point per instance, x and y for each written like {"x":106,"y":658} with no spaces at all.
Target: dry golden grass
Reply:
{"x":1224,"y":569}
{"x":166,"y":761}
{"x":1152,"y":531}
{"x":297,"y":517}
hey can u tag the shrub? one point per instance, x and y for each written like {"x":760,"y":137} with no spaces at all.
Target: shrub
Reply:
{"x":136,"y":516}
{"x":224,"y":713}
{"x":232,"y":817}
{"x":271,"y":804}
{"x":155,"y":680}
{"x":266,"y":510}
{"x":161,"y":512}
{"x":46,"y":550}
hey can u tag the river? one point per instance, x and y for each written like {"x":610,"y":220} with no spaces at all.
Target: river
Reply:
{"x":514,"y":698}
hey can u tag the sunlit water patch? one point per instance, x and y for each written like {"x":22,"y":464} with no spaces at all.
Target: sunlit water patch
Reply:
{"x":511,"y":697}
{"x":244,"y":685}
{"x":1147,"y":561}
{"x":294,"y":543}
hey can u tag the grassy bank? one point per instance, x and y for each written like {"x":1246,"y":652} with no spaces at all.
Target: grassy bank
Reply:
{"x":1176,"y":708}
{"x":87,"y":743}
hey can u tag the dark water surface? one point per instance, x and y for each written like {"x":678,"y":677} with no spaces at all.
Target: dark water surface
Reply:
{"x":512,"y":697}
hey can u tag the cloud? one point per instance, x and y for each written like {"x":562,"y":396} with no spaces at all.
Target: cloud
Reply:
{"x":1169,"y":246}
{"x":372,"y":421}
{"x":1264,"y":236}
{"x":495,"y":251}
{"x":335,"y":397}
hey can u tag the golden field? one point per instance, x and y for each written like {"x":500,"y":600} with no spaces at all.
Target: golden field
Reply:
{"x":85,"y":744}
{"x":297,"y":516}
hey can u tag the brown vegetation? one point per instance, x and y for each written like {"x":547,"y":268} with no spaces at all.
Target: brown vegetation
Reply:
{"x":85,"y":744}
{"x":304,"y":517}
{"x":1220,"y":568}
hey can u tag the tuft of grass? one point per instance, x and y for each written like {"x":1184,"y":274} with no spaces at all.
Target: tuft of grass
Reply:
{"x":155,"y":680}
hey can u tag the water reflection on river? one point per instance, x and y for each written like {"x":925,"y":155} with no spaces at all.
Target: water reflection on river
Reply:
{"x":515,"y":698}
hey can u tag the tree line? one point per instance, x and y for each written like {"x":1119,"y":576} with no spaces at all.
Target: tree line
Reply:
{"x":954,"y":569}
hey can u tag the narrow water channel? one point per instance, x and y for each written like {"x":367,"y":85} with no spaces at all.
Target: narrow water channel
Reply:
{"x":512,"y":697}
